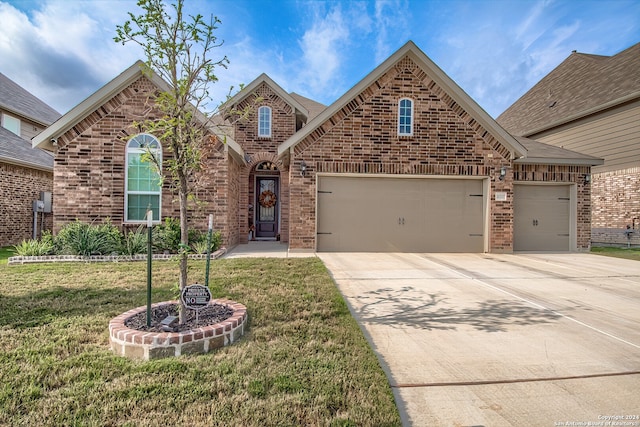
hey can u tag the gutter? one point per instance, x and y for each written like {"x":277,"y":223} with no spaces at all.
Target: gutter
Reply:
{"x":27,"y":165}
{"x":553,"y":161}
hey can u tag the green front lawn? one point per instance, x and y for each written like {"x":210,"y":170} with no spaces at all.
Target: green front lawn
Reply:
{"x":5,"y":253}
{"x":626,"y":253}
{"x":304,"y":361}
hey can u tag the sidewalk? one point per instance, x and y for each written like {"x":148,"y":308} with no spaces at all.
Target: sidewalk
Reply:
{"x":266,"y":249}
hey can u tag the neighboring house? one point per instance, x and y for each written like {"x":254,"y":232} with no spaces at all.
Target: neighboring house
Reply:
{"x":404,"y":161}
{"x":591,"y":104}
{"x":25,"y":172}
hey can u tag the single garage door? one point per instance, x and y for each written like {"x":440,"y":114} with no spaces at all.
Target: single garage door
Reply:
{"x":541,"y":217}
{"x":361,"y":214}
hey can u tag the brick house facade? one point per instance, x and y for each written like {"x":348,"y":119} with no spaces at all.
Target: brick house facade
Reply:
{"x":452,"y":142}
{"x":16,"y":210}
{"x":25,"y":172}
{"x":89,"y":167}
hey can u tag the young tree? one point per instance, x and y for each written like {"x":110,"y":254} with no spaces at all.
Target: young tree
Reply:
{"x":178,"y":48}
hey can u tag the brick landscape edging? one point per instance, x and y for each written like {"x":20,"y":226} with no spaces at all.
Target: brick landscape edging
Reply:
{"x":15,"y":260}
{"x":143,"y":345}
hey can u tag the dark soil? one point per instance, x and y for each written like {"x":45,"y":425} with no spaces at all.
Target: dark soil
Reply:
{"x":210,"y":315}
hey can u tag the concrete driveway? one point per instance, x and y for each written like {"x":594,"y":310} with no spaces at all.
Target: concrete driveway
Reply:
{"x":501,"y":340}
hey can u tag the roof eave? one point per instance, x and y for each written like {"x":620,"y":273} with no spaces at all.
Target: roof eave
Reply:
{"x":29,"y":165}
{"x":234,"y":149}
{"x":558,"y":161}
{"x":22,"y":116}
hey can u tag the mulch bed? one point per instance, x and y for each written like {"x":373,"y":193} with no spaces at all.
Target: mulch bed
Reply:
{"x":210,"y":315}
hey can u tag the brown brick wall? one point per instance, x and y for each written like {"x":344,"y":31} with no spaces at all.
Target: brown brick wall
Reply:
{"x":259,"y":149}
{"x":616,"y":204}
{"x":89,"y":177}
{"x":283,"y":122}
{"x":229,"y":196}
{"x":362,"y":138}
{"x":20,"y":187}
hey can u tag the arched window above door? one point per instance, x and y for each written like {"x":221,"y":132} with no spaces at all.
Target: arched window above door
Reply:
{"x":267,"y":166}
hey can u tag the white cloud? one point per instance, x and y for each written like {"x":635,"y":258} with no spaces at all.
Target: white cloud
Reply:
{"x":322,"y":49}
{"x":531,"y":28}
{"x":59,"y":52}
{"x":391,"y":25}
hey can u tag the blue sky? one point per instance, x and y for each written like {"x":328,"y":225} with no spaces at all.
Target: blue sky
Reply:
{"x":63,"y":50}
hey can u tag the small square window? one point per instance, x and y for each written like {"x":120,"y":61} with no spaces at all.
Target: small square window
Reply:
{"x":11,"y":123}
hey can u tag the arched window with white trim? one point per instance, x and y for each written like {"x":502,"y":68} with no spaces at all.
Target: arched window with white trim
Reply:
{"x":405,"y":117}
{"x":264,"y":122}
{"x":143,"y":186}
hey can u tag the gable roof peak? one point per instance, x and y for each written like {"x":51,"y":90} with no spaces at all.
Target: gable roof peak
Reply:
{"x":434,"y":72}
{"x":265,"y":79}
{"x":108,"y":91}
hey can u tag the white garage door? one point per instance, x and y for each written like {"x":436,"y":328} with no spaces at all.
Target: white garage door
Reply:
{"x":360,"y":214}
{"x":541,"y":217}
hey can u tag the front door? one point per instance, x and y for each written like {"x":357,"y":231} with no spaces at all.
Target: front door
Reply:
{"x":267,"y":201}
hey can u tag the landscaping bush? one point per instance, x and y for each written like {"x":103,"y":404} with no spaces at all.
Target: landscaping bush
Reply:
{"x":134,"y":242}
{"x":166,"y":236}
{"x":79,"y":238}
{"x":33,"y":247}
{"x":199,"y":246}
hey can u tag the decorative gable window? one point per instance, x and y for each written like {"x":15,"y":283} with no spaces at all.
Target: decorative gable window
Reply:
{"x":11,"y":123}
{"x":143,"y":187}
{"x":264,"y":122}
{"x":405,"y":117}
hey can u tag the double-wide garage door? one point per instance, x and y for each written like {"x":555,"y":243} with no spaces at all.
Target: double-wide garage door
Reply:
{"x":380,"y":214}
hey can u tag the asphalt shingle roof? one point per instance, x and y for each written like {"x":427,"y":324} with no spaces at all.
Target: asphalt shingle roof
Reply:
{"x":17,"y":100}
{"x":16,"y":150}
{"x":580,"y":83}
{"x":312,"y":106}
{"x":544,"y":152}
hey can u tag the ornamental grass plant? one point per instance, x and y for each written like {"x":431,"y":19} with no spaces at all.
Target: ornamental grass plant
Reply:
{"x":303,"y":361}
{"x":80,"y":238}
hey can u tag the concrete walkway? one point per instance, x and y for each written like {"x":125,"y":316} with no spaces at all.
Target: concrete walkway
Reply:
{"x":266,"y":249}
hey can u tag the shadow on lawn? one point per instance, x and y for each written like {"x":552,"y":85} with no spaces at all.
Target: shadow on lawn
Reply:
{"x":48,"y":305}
{"x":409,"y":306}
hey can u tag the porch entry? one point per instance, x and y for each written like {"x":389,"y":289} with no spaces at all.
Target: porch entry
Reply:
{"x":268,"y":207}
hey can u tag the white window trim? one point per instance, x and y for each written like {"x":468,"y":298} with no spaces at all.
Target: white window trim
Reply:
{"x":410,"y":133}
{"x":261,"y":135}
{"x":126,"y":182}
{"x":4,"y":118}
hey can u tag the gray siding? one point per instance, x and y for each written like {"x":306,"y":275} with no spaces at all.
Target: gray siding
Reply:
{"x":613,"y":135}
{"x":28,"y":128}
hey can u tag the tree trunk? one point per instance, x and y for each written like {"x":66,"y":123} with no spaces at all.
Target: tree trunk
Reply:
{"x":184,"y":240}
